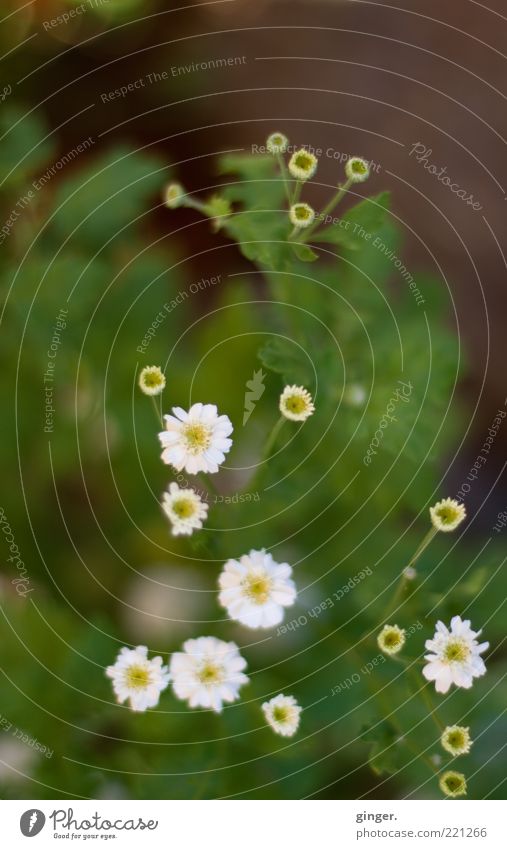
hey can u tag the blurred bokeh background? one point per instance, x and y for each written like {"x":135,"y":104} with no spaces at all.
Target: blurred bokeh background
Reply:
{"x":102,"y":102}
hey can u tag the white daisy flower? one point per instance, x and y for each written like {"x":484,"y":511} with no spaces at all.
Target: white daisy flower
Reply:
{"x":277,"y":143}
{"x":184,"y":509}
{"x":391,"y":639}
{"x":151,"y":380}
{"x":357,"y":170}
{"x":138,"y":679}
{"x":301,"y":215}
{"x":208,"y":672}
{"x":456,"y":740}
{"x":196,"y":441}
{"x":296,"y":403}
{"x":283,"y":713}
{"x":303,"y":164}
{"x":447,"y":514}
{"x":453,"y":783}
{"x":174,"y":194}
{"x":455,"y":656}
{"x":255,"y":589}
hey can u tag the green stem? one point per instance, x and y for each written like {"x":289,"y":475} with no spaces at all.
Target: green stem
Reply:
{"x":335,"y":200}
{"x":424,"y":693}
{"x":294,"y":233}
{"x":297,"y":192}
{"x":270,"y":442}
{"x":158,"y":412}
{"x":404,"y":582}
{"x":208,"y":483}
{"x":283,"y":171}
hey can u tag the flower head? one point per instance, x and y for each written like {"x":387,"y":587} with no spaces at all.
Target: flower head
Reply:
{"x":301,"y":215}
{"x":296,"y":403}
{"x":357,"y":170}
{"x":151,"y":380}
{"x":282,"y":713}
{"x":184,"y":509}
{"x":138,"y":679}
{"x":409,"y":573}
{"x":456,"y":740}
{"x":303,"y":164}
{"x":255,"y":589}
{"x":208,"y":672}
{"x":196,"y":441}
{"x":277,"y":143}
{"x":455,"y":656}
{"x":391,"y":639}
{"x":447,"y":514}
{"x":453,"y":783}
{"x":174,"y":194}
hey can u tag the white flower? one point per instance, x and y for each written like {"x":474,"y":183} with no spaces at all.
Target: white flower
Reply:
{"x":138,"y":679}
{"x":303,"y":164}
{"x":174,"y":194}
{"x":277,"y":143}
{"x":456,"y":740}
{"x":255,"y":589}
{"x":301,"y":215}
{"x":208,"y":672}
{"x":184,"y":509}
{"x":296,"y":403}
{"x":455,"y":656}
{"x":196,"y":441}
{"x":357,"y":169}
{"x":151,"y":380}
{"x":283,"y":713}
{"x":409,"y":573}
{"x":391,"y":639}
{"x":447,"y":514}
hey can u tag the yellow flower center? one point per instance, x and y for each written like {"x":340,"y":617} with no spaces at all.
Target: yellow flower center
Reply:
{"x":453,"y":782}
{"x":137,"y":677}
{"x":304,"y":161}
{"x":447,"y":515}
{"x":280,"y":714}
{"x":456,"y":650}
{"x":210,"y":674}
{"x":184,"y":508}
{"x":296,"y":404}
{"x":153,"y":378}
{"x":197,"y":437}
{"x":456,"y":739}
{"x":302,"y":213}
{"x":257,"y":588}
{"x":392,"y":638}
{"x":358,"y":167}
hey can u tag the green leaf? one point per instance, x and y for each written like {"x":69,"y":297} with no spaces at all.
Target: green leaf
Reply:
{"x":358,"y":225}
{"x":304,"y":252}
{"x":383,"y":757}
{"x":24,"y":149}
{"x":286,"y":358}
{"x":260,"y":185}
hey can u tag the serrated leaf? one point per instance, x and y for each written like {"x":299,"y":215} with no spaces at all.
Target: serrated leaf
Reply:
{"x":287,"y":359}
{"x":304,"y":252}
{"x":383,"y":757}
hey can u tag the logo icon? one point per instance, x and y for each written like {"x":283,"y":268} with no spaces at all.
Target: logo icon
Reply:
{"x":32,"y":822}
{"x":255,"y":387}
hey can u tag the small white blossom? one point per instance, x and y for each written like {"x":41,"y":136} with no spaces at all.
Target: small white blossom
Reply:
{"x":455,"y":656}
{"x":303,"y":164}
{"x":151,"y":380}
{"x":453,"y":784}
{"x":357,"y":170}
{"x":208,"y":672}
{"x":184,"y":509}
{"x":456,"y":740}
{"x":196,"y":441}
{"x":283,"y":714}
{"x":301,"y":215}
{"x":174,"y":194}
{"x":447,"y":514}
{"x":277,"y":143}
{"x":409,"y":573}
{"x":138,"y":679}
{"x":255,"y":589}
{"x":391,"y":639}
{"x":296,"y":403}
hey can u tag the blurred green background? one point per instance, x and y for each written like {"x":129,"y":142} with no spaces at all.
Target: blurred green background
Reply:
{"x":93,"y":240}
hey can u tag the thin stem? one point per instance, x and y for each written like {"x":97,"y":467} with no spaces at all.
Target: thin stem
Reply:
{"x":270,"y":442}
{"x":294,"y":232}
{"x":158,"y":412}
{"x":335,"y":200}
{"x":297,"y":192}
{"x":404,"y":582}
{"x":424,"y":693}
{"x":283,"y":171}
{"x":192,"y":203}
{"x":423,"y":546}
{"x":208,"y":483}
